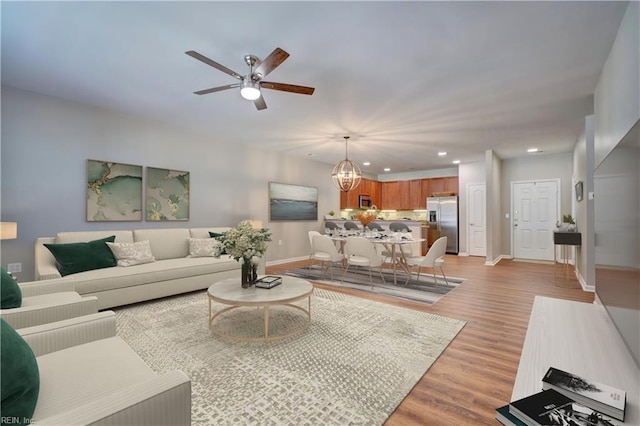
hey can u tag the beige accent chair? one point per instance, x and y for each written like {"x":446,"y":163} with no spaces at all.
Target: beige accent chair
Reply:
{"x":48,"y":301}
{"x":88,"y":375}
{"x":324,"y":250}
{"x":433,"y":259}
{"x":360,"y":252}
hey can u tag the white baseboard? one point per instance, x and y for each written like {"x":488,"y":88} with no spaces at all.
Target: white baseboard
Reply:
{"x":495,"y":261}
{"x":281,"y":261}
{"x":463,"y":253}
{"x":583,"y":283}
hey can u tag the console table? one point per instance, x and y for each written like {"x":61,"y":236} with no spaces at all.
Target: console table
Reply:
{"x":578,"y":338}
{"x":565,"y":240}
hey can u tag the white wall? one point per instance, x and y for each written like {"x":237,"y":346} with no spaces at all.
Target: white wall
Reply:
{"x":617,"y":95}
{"x":583,"y":210}
{"x":46,"y":142}
{"x":493,"y":170}
{"x":467,"y":173}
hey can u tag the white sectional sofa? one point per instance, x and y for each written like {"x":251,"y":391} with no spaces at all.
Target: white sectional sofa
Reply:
{"x":88,"y":375}
{"x":173,"y":272}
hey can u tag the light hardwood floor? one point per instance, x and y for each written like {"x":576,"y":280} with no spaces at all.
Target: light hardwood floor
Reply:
{"x":476,"y":372}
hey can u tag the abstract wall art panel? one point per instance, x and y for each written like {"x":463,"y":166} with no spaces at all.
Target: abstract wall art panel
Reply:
{"x":167,"y":195}
{"x":114,"y":192}
{"x":292,"y":202}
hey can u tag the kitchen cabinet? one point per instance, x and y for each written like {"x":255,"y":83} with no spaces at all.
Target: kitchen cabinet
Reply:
{"x":403,"y":195}
{"x":349,"y":200}
{"x":444,"y":184}
{"x":390,"y":199}
{"x":425,"y":191}
{"x":376,"y":189}
{"x":415,"y":195}
{"x":398,"y":195}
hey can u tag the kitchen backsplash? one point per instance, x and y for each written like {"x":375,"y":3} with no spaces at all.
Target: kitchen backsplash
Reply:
{"x":387,"y":215}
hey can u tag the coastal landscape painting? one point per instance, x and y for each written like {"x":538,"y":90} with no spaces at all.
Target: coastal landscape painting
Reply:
{"x":114,"y":192}
{"x":292,"y":202}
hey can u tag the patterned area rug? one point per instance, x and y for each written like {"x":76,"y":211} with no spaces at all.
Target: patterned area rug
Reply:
{"x":423,"y":290}
{"x":353,"y":365}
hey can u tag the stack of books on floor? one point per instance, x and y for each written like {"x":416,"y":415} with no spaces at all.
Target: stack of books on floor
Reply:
{"x":566,"y":399}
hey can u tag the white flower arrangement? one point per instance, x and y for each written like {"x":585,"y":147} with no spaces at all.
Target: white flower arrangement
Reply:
{"x":245,"y":242}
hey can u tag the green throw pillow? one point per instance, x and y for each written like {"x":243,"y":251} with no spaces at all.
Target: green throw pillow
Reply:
{"x":20,"y":380}
{"x":11,"y":294}
{"x":79,"y":257}
{"x":217,"y":235}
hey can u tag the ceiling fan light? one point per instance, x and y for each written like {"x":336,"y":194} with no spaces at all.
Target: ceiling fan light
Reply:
{"x":249,"y":90}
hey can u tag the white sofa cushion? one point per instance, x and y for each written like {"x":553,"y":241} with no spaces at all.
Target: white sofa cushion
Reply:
{"x":84,"y":236}
{"x":166,"y":270}
{"x":80,"y":374}
{"x":129,"y":254}
{"x":204,"y":247}
{"x":165,"y":243}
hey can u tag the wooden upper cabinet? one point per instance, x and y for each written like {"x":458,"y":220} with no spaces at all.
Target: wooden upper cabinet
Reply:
{"x":349,"y":200}
{"x":398,"y":195}
{"x":415,"y":195}
{"x":437,"y":185}
{"x":445,"y":184}
{"x":390,"y":195}
{"x":425,"y":189}
{"x":405,"y":202}
{"x":451,"y":184}
{"x":376,"y":189}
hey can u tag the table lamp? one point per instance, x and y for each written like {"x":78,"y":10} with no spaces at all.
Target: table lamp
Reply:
{"x":8,"y":230}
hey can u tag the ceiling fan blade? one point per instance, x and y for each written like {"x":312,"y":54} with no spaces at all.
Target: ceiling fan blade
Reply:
{"x":302,"y":90}
{"x":214,"y":64}
{"x":216,"y":89}
{"x":260,"y":103}
{"x":272,"y":61}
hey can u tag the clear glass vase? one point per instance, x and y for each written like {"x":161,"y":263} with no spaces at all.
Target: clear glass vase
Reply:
{"x":249,"y":273}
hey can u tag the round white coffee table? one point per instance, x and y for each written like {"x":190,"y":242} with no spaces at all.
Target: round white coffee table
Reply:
{"x":230,"y":292}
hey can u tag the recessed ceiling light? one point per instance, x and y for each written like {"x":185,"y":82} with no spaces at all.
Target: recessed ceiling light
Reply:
{"x":387,"y":169}
{"x":533,"y":150}
{"x":366,"y":163}
{"x":442,"y":154}
{"x":456,"y":161}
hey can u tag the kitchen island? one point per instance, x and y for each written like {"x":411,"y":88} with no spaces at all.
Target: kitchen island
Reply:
{"x":418,"y":230}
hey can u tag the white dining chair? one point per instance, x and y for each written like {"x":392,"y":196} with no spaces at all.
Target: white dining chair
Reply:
{"x":433,"y":259}
{"x":359,"y":251}
{"x":325,"y":251}
{"x":312,"y":234}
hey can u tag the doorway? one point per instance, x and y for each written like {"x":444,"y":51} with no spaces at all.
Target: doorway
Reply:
{"x":534,"y":212}
{"x":476,"y":219}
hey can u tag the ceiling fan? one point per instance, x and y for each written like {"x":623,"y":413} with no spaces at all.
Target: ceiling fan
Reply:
{"x":251,"y":84}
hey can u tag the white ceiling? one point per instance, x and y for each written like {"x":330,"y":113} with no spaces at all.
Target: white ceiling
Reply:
{"x":403,"y":79}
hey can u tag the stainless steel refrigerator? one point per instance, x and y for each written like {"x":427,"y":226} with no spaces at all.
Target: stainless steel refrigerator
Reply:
{"x":442,"y":214}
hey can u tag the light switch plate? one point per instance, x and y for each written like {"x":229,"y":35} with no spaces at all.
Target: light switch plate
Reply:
{"x":14,"y":268}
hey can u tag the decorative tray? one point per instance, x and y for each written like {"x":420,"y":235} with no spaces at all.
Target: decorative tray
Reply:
{"x":268,"y":281}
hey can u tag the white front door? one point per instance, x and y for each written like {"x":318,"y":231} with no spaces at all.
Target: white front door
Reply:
{"x":534,"y":214}
{"x":477,"y":219}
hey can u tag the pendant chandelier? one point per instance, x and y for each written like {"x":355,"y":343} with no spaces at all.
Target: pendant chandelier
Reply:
{"x":346,"y":174}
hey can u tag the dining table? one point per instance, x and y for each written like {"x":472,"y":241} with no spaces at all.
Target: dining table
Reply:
{"x":393,"y":244}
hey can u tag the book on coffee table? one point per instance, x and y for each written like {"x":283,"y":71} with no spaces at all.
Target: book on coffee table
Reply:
{"x":268,"y":281}
{"x":550,"y":408}
{"x":603,"y":398}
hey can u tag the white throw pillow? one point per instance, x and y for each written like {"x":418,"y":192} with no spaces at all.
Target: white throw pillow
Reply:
{"x":204,"y":247}
{"x":128,"y":254}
